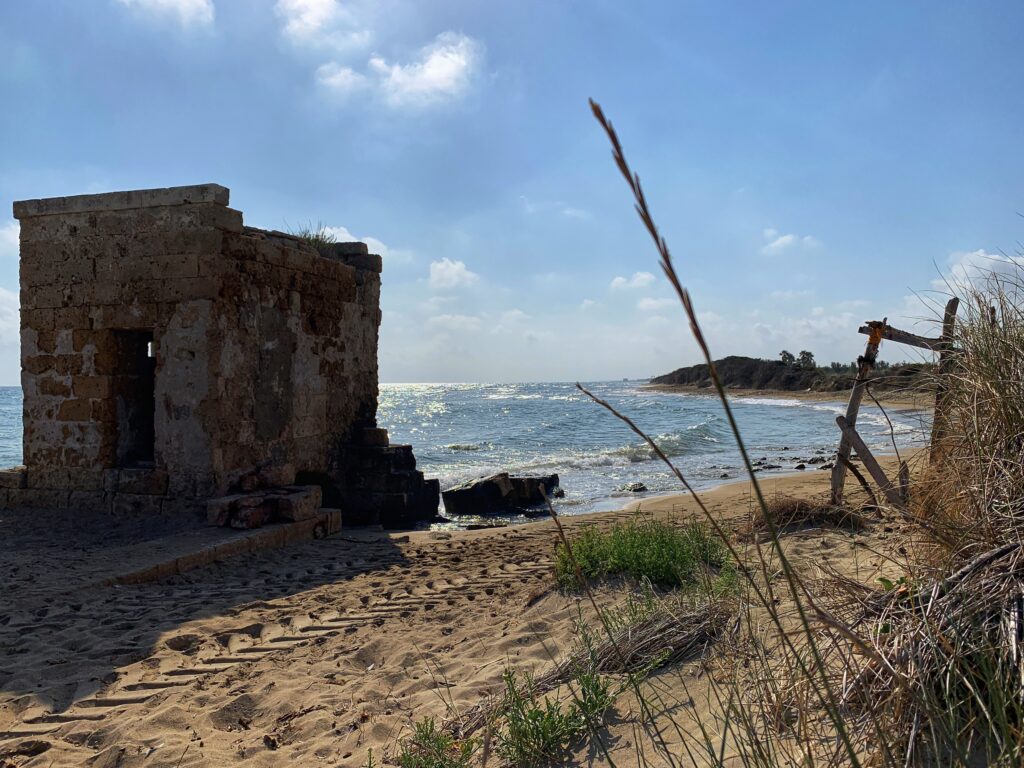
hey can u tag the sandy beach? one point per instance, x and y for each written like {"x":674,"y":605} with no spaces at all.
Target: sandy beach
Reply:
{"x":319,"y":652}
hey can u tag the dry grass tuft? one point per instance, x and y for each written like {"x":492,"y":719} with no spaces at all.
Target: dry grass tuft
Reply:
{"x":645,"y":632}
{"x":789,"y":513}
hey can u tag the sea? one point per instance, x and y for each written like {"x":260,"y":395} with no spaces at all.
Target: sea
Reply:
{"x":462,"y":431}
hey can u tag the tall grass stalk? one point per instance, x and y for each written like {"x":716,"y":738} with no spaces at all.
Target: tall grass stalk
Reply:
{"x":806,"y":660}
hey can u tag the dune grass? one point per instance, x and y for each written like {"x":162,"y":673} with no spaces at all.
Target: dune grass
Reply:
{"x":317,"y":235}
{"x":643,"y":550}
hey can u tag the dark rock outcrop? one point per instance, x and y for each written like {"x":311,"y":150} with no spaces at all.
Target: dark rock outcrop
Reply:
{"x":497,"y":493}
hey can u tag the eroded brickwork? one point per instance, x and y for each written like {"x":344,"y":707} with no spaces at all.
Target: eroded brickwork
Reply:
{"x":170,"y":354}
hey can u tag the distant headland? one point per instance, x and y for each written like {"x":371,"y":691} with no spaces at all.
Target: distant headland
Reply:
{"x":794,"y":375}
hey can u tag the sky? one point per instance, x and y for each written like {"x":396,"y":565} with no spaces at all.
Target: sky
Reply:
{"x":811,"y":165}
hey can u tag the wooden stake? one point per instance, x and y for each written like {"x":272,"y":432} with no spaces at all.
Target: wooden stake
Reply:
{"x":867,"y":362}
{"x":945,"y":365}
{"x":904,"y":482}
{"x":870,"y":463}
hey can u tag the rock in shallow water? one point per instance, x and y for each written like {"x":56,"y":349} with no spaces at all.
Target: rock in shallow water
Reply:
{"x":633,"y":487}
{"x":497,"y":493}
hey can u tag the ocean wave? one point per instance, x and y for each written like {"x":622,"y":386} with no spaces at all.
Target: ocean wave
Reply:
{"x":510,"y":396}
{"x":674,"y":444}
{"x":695,"y":440}
{"x":867,"y":416}
{"x":783,"y":402}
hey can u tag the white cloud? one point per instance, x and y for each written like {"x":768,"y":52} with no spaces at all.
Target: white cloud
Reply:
{"x":976,"y":268}
{"x":777,"y":243}
{"x":455,"y":322}
{"x":443,"y":71}
{"x":511,"y":320}
{"x":9,"y":240}
{"x":342,"y":235}
{"x":514,"y":316}
{"x":647,"y":304}
{"x":451,"y":274}
{"x":342,"y":80}
{"x":587,"y":304}
{"x":569,"y":211}
{"x":10,"y":318}
{"x":323,"y":23}
{"x":188,"y":12}
{"x":965,"y":271}
{"x":638,"y":280}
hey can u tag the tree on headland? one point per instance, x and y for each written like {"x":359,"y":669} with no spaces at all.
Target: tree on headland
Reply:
{"x":787,"y":357}
{"x":806,"y":361}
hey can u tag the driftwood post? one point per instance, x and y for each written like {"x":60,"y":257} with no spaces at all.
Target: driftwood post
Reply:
{"x":945,"y":364}
{"x":867,"y":363}
{"x":870,"y":463}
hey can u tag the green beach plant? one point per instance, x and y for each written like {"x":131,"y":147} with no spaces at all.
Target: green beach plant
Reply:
{"x":643,"y":550}
{"x":432,"y":747}
{"x":534,"y":731}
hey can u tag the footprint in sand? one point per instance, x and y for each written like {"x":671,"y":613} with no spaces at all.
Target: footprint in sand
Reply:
{"x":186,"y":644}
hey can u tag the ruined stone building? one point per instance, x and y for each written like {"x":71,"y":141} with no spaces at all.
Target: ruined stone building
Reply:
{"x":171,"y":355}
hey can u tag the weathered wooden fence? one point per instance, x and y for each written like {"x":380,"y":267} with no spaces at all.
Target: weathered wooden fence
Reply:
{"x":850,"y":440}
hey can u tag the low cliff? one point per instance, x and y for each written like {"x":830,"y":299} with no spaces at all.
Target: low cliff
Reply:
{"x":739,"y":372}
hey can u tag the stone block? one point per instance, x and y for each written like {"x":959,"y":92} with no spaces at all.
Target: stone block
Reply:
{"x":120,"y":201}
{"x":13,"y":477}
{"x":150,"y":482}
{"x":373,"y":436}
{"x":85,"y":479}
{"x":55,"y":386}
{"x":38,"y":319}
{"x":75,"y":410}
{"x":91,"y":387}
{"x":300,"y":503}
{"x":219,"y":510}
{"x":72,"y":317}
{"x":47,"y":477}
{"x":254,"y":516}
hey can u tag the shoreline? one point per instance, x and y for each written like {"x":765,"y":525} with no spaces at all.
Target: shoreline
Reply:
{"x":917,"y":401}
{"x":662,"y":502}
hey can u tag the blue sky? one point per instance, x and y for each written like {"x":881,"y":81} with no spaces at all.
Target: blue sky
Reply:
{"x":811,"y":164}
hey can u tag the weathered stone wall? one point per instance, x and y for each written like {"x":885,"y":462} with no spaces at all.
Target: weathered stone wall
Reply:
{"x":260,"y":354}
{"x":295,"y":355}
{"x":92,"y":268}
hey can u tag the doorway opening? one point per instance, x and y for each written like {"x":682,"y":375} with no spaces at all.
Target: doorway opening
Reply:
{"x":135,"y":390}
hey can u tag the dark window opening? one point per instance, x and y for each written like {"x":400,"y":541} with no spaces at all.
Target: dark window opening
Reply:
{"x":135,"y":389}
